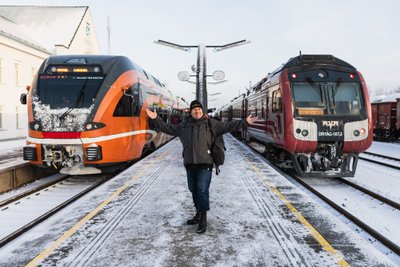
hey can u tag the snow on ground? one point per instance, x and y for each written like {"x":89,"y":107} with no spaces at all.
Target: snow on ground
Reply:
{"x":6,"y":146}
{"x":30,"y":186}
{"x":379,"y":179}
{"x":249,"y":223}
{"x":11,"y":153}
{"x":384,"y":148}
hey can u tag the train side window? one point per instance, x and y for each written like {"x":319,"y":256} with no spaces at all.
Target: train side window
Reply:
{"x":276,"y":101}
{"x":163,"y":114}
{"x":129,"y":105}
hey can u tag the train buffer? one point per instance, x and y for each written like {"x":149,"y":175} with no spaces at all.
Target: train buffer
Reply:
{"x":257,"y":217}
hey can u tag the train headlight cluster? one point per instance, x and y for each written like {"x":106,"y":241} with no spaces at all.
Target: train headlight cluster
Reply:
{"x":361,"y":132}
{"x":356,"y":130}
{"x":35,"y":125}
{"x":94,"y":126}
{"x":302,"y":132}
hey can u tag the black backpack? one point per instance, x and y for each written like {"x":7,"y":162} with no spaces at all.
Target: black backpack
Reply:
{"x":217,"y":148}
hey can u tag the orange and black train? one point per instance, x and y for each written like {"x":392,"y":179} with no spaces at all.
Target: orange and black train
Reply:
{"x":86,"y":113}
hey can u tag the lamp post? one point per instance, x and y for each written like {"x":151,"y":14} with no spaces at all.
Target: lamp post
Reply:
{"x":201,"y":69}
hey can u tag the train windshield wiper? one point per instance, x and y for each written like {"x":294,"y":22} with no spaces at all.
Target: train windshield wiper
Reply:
{"x":79,"y":101}
{"x":315,"y":87}
{"x":334,"y":91}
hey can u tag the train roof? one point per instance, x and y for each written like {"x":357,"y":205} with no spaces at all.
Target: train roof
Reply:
{"x":106,"y":61}
{"x":385,"y":98}
{"x":316,"y":60}
{"x":313,"y":60}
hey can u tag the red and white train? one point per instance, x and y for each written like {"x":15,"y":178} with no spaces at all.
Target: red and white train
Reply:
{"x":86,"y":113}
{"x":314,"y":115}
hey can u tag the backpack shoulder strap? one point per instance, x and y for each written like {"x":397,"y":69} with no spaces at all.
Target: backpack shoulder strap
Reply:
{"x":210,"y":126}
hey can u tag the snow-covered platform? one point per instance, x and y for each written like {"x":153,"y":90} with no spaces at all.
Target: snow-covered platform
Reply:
{"x":257,"y":218}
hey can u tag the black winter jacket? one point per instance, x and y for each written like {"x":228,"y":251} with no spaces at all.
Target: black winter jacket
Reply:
{"x":196,"y":137}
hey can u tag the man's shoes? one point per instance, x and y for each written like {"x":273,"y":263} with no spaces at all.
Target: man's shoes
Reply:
{"x":202,"y":222}
{"x":194,"y":220}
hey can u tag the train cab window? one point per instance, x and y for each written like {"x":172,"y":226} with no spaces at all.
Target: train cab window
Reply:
{"x":163,"y":114}
{"x":129,"y":105}
{"x":308,"y":99}
{"x":68,"y":91}
{"x":331,"y":98}
{"x":276,"y":101}
{"x":345,"y":99}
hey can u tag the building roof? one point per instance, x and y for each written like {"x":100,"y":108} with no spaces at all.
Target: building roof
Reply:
{"x":41,"y":27}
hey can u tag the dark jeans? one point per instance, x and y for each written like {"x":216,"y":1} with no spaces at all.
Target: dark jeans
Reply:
{"x":199,"y":183}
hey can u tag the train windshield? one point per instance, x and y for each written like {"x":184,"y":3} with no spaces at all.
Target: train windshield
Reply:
{"x":68,"y":91}
{"x":327,"y":98}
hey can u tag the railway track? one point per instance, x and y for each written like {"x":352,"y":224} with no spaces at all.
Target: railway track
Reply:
{"x":387,"y":158}
{"x":32,"y":191}
{"x":382,"y":156}
{"x":19,"y":215}
{"x":340,"y":206}
{"x":360,"y":222}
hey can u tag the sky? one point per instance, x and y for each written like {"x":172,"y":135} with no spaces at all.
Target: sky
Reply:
{"x":364,"y":33}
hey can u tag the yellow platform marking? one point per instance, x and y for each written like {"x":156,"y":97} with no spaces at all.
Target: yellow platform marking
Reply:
{"x":85,"y":219}
{"x":323,"y":242}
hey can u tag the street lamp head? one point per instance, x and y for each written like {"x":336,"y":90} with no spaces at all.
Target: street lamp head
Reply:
{"x":218,"y":75}
{"x":184,"y":76}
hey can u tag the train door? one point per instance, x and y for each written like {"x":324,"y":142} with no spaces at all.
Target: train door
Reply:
{"x":244,"y":134}
{"x":266,"y":105}
{"x":277,"y":114}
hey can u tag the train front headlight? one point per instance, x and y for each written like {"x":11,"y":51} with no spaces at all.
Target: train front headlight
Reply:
{"x":304,"y":132}
{"x":89,"y":126}
{"x":94,"y":126}
{"x":356,"y":133}
{"x":35,"y":125}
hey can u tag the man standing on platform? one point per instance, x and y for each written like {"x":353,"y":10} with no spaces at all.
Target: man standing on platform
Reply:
{"x":196,"y":139}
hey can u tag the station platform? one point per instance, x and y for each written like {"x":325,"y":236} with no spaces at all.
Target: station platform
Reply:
{"x":257,"y":218}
